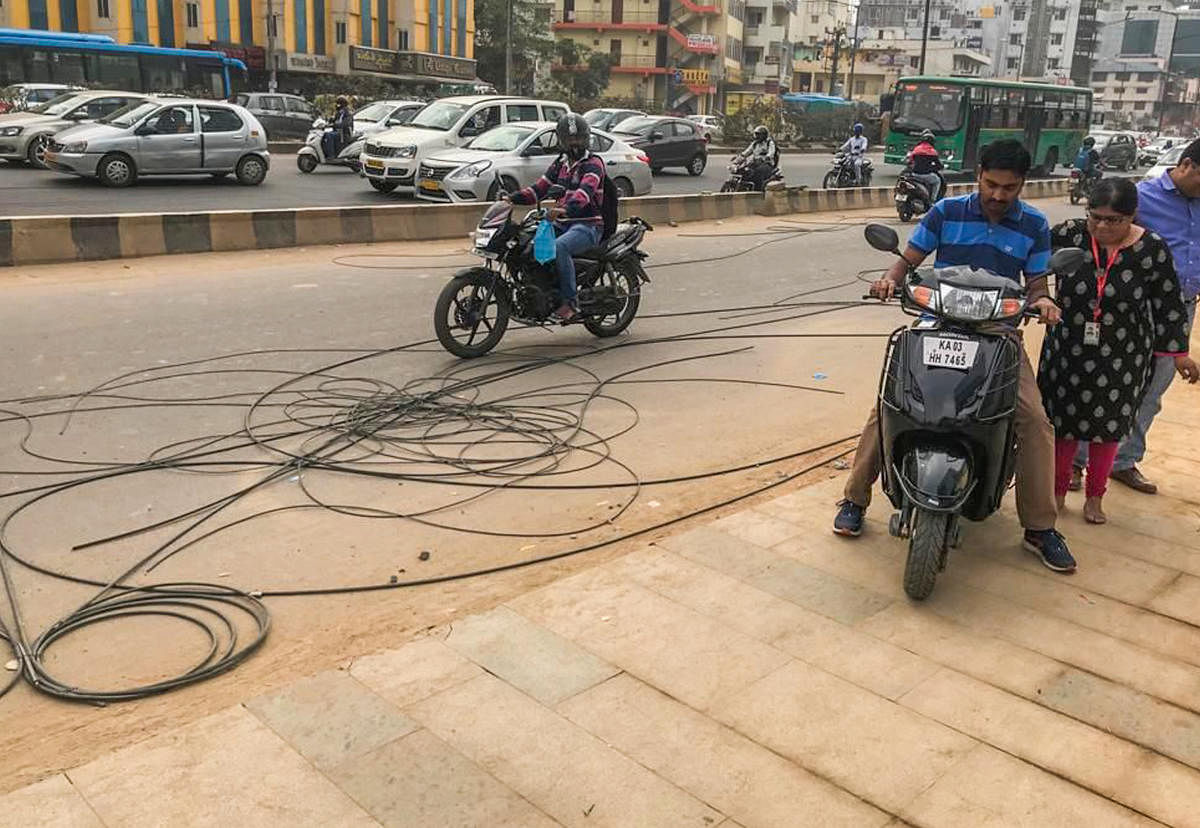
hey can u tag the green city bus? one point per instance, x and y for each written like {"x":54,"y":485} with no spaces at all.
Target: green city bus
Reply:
{"x":966,"y":114}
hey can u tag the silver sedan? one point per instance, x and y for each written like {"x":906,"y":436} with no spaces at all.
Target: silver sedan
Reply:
{"x":514,"y":156}
{"x":176,"y":137}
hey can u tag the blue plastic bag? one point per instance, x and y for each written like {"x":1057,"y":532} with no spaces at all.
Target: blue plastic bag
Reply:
{"x":543,"y":242}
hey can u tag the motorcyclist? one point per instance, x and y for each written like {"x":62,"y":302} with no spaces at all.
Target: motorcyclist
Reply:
{"x":1088,"y":160}
{"x":925,"y":166}
{"x":856,"y":148}
{"x":577,"y":214}
{"x":762,"y":156}
{"x":342,"y":132}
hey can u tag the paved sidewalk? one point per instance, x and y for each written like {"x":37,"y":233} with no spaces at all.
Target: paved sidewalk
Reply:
{"x":755,"y":670}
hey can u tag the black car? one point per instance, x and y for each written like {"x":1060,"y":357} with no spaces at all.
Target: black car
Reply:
{"x":1118,"y":150}
{"x":669,"y":142}
{"x":282,"y":116}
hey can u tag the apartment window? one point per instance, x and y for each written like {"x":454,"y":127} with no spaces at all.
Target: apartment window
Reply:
{"x":1061,"y":14}
{"x":1052,"y":63}
{"x":102,"y":8}
{"x":1055,"y":40}
{"x":914,"y":62}
{"x":402,"y":40}
{"x":945,"y":14}
{"x":815,"y":18}
{"x":1019,"y":14}
{"x":339,"y":31}
{"x":1012,"y":64}
{"x":1122,"y":76}
{"x":1014,"y":40}
{"x":1140,"y":105}
{"x":860,"y":87}
{"x":193,"y":15}
{"x":1099,"y":77}
{"x":1147,"y":77}
{"x":1142,"y":90}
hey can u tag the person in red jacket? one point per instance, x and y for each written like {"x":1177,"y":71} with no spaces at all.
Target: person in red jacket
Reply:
{"x":926,"y":165}
{"x":577,"y":216}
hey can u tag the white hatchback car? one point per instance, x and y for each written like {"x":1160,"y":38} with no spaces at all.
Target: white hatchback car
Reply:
{"x":1165,"y":162}
{"x":514,"y":156}
{"x":390,"y":159}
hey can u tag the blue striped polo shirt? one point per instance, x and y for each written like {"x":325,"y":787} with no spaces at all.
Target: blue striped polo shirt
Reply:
{"x":1017,"y":245}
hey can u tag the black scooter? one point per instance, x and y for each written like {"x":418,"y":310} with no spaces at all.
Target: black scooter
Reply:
{"x":912,"y":196}
{"x":947,"y":399}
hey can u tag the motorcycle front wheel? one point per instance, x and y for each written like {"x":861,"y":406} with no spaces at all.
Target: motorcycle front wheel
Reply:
{"x":470,"y":318}
{"x":831,"y":180}
{"x":925,"y":547}
{"x":623,"y":284}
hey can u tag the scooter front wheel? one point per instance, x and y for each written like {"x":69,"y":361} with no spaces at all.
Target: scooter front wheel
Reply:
{"x":926,"y":546}
{"x":306,"y":163}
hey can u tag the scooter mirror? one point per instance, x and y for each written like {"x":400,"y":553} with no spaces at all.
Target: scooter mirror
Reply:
{"x":882,"y":237}
{"x":1067,"y":260}
{"x":319,"y":123}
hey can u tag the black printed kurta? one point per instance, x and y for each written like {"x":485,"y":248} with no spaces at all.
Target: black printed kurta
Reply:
{"x":1092,"y":392}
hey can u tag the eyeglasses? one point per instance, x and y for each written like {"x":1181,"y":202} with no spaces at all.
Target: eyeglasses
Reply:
{"x":1108,"y":219}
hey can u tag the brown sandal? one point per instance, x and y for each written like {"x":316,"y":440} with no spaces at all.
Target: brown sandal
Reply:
{"x":1092,"y":511}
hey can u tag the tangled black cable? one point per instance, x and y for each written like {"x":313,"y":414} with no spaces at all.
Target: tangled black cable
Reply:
{"x":484,"y":427}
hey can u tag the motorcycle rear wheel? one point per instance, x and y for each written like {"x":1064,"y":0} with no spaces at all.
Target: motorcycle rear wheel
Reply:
{"x":925,"y":548}
{"x":466,"y":305}
{"x":624,"y":282}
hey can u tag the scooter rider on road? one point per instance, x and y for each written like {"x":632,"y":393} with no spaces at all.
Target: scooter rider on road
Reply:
{"x":342,"y":129}
{"x":994,"y":230}
{"x":924,"y":165}
{"x":577,"y":215}
{"x":762,"y":156}
{"x":856,"y":147}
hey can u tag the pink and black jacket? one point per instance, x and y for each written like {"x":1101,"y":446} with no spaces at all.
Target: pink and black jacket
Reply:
{"x":583,"y":182}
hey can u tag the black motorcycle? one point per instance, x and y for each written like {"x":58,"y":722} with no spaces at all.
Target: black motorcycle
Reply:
{"x":912,"y":196}
{"x":741,"y":181}
{"x":1081,"y":186}
{"x":842,"y":174}
{"x":947,"y":399}
{"x":476,"y":305}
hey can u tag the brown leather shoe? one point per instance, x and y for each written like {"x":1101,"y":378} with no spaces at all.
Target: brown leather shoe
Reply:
{"x":1135,"y":480}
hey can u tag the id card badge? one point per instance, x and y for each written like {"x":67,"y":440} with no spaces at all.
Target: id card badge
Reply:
{"x":1091,"y":333}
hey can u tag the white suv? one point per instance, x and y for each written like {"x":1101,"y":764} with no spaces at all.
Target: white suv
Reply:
{"x":390,"y":159}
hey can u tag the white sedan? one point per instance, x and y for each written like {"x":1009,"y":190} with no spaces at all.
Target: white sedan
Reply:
{"x":514,"y":156}
{"x":1165,"y":161}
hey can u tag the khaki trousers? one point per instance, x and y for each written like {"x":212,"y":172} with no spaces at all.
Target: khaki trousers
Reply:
{"x":1036,"y":507}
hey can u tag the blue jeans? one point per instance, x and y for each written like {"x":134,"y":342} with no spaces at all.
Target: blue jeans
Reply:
{"x":578,"y":237}
{"x":1133,"y":447}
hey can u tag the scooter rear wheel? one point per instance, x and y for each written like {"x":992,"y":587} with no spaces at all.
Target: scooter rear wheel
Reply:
{"x":906,"y":212}
{"x":925,"y":548}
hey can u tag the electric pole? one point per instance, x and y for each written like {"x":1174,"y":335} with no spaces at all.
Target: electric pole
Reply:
{"x":924,"y":38}
{"x":508,"y":50}
{"x":271,"y":83}
{"x":837,"y":35}
{"x":853,"y":52}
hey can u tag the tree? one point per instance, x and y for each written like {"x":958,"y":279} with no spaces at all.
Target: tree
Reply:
{"x":530,"y":41}
{"x":584,"y":73}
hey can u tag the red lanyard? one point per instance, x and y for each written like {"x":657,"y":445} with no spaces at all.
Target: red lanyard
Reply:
{"x":1101,"y":278}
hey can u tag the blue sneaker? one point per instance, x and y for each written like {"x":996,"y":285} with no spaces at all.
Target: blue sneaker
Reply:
{"x":1051,"y":547}
{"x":849,"y":520}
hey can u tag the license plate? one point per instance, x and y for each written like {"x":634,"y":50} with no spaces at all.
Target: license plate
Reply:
{"x":943,"y":352}
{"x":431,"y":186}
{"x":373,"y":165}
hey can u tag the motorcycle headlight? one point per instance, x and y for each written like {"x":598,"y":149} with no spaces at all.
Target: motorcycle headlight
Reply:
{"x":77,"y":147}
{"x":406,"y":152}
{"x":473,"y":170}
{"x":483,"y":236}
{"x":11,"y":131}
{"x":967,"y":304}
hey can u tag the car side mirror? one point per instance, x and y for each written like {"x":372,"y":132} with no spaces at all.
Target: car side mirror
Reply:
{"x":1067,"y":260}
{"x":78,"y":115}
{"x":882,"y":237}
{"x":656,"y":135}
{"x":145,"y":129}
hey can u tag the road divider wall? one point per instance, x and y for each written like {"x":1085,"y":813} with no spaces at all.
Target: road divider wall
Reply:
{"x":49,"y":239}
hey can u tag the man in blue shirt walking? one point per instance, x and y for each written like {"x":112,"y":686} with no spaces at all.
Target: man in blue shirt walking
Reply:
{"x":991,"y":229}
{"x":1170,"y":206}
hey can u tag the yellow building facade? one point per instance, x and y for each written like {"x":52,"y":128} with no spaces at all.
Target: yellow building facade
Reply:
{"x":307,"y":35}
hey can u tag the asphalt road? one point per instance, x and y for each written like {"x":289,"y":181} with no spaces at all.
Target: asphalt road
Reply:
{"x":28,"y":192}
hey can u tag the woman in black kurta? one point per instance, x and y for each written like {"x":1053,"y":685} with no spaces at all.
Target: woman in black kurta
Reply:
{"x":1095,"y":363}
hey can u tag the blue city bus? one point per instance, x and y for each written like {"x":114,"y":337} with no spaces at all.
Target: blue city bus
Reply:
{"x":33,"y":56}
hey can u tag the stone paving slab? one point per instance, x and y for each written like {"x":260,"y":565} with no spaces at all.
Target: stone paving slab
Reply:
{"x":750,"y":671}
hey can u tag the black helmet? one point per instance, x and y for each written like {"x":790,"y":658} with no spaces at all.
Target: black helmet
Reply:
{"x":341,"y":101}
{"x":574,"y":135}
{"x":761,"y":133}
{"x":1089,"y":141}
{"x":927,"y":135}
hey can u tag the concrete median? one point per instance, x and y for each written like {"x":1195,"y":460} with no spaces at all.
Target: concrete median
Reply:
{"x":49,"y":239}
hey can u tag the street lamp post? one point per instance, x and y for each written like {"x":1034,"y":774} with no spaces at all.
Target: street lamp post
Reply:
{"x":508,"y":50}
{"x":924,"y":37}
{"x":272,"y":84}
{"x":853,"y":52}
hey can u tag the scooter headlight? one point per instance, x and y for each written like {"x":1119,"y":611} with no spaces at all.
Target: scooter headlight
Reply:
{"x":967,"y":304}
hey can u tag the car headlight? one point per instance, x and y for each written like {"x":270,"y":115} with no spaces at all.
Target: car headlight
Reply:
{"x":473,"y":170}
{"x":406,"y":152}
{"x":11,"y":131}
{"x":966,"y":303}
{"x":78,"y":146}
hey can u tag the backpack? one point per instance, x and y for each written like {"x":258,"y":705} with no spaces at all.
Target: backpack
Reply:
{"x":608,"y":206}
{"x":1084,"y":159}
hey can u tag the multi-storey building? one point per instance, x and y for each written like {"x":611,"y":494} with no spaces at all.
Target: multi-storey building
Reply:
{"x":671,"y":54}
{"x":418,"y":39}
